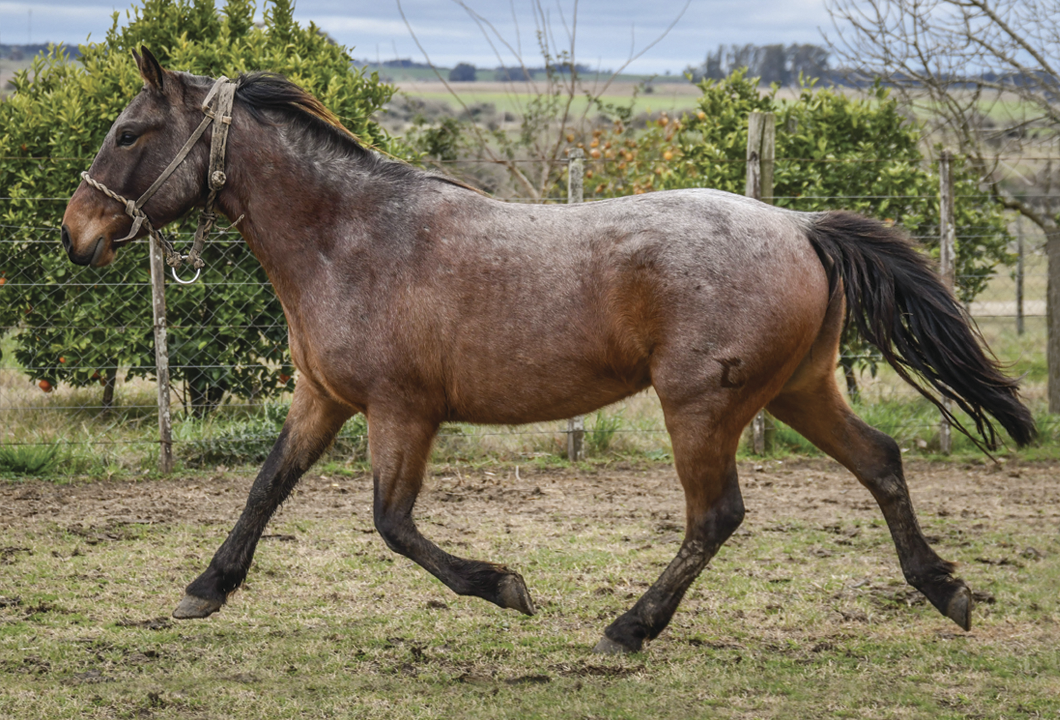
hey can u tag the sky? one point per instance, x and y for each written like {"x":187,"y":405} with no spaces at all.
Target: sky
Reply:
{"x":375,"y":30}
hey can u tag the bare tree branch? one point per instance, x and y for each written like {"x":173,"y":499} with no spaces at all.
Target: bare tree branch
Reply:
{"x":968,"y":66}
{"x":547,"y":107}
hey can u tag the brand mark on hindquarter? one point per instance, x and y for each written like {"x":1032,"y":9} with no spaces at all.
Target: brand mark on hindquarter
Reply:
{"x":727,"y":367}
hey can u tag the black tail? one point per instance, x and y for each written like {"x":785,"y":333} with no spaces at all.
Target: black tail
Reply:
{"x":900,"y":305}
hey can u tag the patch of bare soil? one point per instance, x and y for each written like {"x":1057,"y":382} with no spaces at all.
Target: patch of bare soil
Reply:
{"x":777,"y":496}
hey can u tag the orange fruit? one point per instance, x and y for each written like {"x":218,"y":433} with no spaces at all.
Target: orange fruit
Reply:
{"x":45,"y":386}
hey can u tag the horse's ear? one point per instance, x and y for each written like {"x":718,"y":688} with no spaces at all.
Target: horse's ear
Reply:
{"x":150,"y":69}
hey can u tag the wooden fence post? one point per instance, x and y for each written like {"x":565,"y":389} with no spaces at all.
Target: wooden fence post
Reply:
{"x":761,"y":153}
{"x":1052,"y":314}
{"x":1052,"y":294}
{"x":1019,"y":275}
{"x":575,"y":194}
{"x":947,"y":262}
{"x":158,"y":306}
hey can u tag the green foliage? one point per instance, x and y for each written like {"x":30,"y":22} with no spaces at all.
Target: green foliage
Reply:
{"x":30,"y":460}
{"x":833,"y":151}
{"x":244,"y":440}
{"x":441,"y":143}
{"x":599,"y":436}
{"x":52,"y":125}
{"x":249,"y":439}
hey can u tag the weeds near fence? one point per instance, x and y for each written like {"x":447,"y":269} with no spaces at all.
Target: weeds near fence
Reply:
{"x":34,"y":460}
{"x":598,"y":439}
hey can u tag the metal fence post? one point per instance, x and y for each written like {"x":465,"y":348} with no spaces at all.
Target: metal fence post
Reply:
{"x":947,"y":262}
{"x":158,"y":306}
{"x":761,"y":152}
{"x":575,"y":175}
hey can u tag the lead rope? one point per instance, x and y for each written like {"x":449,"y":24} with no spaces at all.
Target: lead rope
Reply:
{"x":221,"y":118}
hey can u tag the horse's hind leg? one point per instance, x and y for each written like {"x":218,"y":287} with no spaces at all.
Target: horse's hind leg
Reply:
{"x":705,"y":458}
{"x":816,"y":410}
{"x":311,"y":425}
{"x":400,"y":443}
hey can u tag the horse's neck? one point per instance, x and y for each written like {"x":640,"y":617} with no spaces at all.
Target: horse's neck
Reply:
{"x":291,"y":207}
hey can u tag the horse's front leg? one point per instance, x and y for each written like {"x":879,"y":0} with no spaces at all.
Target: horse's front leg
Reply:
{"x":400,"y":443}
{"x":311,"y":425}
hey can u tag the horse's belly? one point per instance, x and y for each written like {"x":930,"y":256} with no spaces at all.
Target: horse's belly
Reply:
{"x":521,"y":391}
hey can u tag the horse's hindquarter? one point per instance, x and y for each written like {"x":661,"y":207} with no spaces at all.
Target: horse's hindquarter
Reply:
{"x":549,"y":311}
{"x":750,"y":295}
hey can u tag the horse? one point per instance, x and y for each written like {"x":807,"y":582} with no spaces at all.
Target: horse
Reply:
{"x":416,"y":300}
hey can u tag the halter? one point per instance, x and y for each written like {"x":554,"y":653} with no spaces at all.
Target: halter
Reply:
{"x":221,"y":115}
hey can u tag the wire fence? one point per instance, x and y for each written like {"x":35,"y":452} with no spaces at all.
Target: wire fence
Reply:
{"x":77,"y":369}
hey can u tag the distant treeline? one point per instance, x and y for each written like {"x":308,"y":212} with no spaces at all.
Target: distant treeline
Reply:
{"x":467,"y":71}
{"x":780,"y":64}
{"x":25,"y":52}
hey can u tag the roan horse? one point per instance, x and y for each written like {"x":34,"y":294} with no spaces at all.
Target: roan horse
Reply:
{"x":417,"y":301}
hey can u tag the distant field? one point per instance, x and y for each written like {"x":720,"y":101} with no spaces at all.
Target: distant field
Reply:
{"x":671,"y":97}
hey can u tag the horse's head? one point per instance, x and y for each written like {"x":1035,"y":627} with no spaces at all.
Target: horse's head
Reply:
{"x":147,"y":135}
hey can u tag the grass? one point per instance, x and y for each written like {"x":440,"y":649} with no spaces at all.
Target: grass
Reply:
{"x":792,"y":620}
{"x":32,"y":460}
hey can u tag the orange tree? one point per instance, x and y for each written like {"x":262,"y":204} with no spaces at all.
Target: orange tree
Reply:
{"x":833,"y":150}
{"x":78,"y":326}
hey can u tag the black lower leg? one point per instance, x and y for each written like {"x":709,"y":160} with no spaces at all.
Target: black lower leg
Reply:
{"x":921,"y":565}
{"x":654,"y":610}
{"x":303,"y":439}
{"x":489,"y":581}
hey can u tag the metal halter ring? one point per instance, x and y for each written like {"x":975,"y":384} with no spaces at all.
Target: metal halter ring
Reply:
{"x":198,"y":272}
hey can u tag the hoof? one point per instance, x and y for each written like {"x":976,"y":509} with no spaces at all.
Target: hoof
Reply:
{"x":607,"y":646}
{"x":512,"y":593}
{"x":195,"y":607}
{"x":959,"y":609}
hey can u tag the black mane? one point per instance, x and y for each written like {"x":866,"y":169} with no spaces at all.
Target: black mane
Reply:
{"x":267,"y":93}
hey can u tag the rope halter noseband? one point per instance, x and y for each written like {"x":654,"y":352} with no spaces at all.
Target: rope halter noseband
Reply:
{"x":224,"y":91}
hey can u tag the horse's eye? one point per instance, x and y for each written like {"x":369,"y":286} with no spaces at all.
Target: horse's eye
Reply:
{"x":126,"y":139}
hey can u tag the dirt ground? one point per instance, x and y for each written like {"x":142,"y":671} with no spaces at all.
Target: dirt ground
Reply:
{"x":805,"y":603}
{"x":809,"y":491}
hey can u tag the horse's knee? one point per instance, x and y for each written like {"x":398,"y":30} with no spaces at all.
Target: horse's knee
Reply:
{"x":729,"y":517}
{"x":721,"y":521}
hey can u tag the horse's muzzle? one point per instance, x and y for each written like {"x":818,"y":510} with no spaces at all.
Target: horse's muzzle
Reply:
{"x":89,"y":256}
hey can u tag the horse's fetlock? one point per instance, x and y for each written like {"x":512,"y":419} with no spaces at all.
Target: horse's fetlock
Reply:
{"x":216,"y":584}
{"x":629,"y":631}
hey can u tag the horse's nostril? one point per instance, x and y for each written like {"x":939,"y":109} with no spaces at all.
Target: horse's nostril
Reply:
{"x":66,"y":239}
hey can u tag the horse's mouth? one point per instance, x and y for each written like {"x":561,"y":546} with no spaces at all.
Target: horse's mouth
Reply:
{"x":97,"y":253}
{"x":92,"y":257}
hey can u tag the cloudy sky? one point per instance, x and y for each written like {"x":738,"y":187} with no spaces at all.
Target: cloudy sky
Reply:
{"x":605,"y":29}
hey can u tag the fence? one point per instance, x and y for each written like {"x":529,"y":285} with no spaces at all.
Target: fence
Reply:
{"x":78,"y":360}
